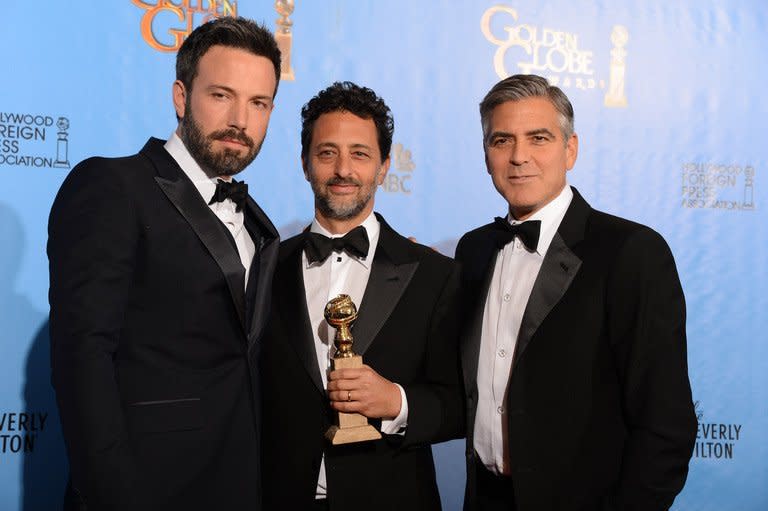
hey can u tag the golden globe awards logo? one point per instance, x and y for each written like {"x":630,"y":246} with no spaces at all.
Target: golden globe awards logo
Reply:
{"x":555,"y":54}
{"x":34,"y":140}
{"x":398,"y":179}
{"x":729,"y":187}
{"x":166,"y":23}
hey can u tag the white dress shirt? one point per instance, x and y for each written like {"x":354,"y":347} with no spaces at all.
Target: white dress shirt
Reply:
{"x":225,"y":210}
{"x":514,"y":274}
{"x":341,"y":274}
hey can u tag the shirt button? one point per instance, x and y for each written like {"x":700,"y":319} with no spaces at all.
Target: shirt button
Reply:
{"x":518,"y":244}
{"x":507,"y":297}
{"x":500,"y":409}
{"x":502,"y":353}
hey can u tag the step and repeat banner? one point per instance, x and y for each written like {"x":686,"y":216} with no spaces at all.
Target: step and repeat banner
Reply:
{"x":670,"y":109}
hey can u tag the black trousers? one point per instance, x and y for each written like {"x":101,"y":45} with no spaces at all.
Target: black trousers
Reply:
{"x":319,"y":505}
{"x":494,"y":492}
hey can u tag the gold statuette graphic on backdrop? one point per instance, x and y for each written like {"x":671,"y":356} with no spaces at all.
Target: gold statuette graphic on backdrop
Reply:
{"x":615,"y":97}
{"x":284,"y":37}
{"x":340,"y":313}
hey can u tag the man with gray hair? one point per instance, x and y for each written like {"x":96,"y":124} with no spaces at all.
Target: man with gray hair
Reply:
{"x":574,"y":355}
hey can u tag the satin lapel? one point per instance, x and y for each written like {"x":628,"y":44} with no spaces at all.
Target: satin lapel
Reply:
{"x":470,"y":347}
{"x":293,"y":313}
{"x":557,"y":271}
{"x":185,"y":197}
{"x":267,"y":257}
{"x":391,"y":273}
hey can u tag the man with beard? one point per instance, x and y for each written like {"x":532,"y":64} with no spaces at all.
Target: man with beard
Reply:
{"x":161,"y":267}
{"x":406,"y":331}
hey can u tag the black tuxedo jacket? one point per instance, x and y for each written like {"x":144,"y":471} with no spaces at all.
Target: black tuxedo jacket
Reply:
{"x":599,"y":402}
{"x":154,"y":338}
{"x":406,"y":331}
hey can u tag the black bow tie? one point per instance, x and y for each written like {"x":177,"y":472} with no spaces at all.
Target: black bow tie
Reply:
{"x":236,"y":191}
{"x":528,"y":232}
{"x":319,"y":247}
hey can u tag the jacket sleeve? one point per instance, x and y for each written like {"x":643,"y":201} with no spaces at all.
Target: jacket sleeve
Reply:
{"x":92,"y":238}
{"x":435,"y":402}
{"x":647,"y":322}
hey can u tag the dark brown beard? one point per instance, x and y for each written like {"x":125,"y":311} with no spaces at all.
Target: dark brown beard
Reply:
{"x":224,"y":163}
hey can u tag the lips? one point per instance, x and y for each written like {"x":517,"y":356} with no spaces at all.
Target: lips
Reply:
{"x":343,"y":189}
{"x":342,"y":186}
{"x":232,"y":142}
{"x":233,"y":138}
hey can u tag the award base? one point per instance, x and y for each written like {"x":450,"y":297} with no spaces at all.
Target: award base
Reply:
{"x":338,"y":436}
{"x":352,"y":427}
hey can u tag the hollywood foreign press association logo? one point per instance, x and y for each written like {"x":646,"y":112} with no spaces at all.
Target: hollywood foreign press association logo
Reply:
{"x":729,"y":187}
{"x":555,"y":54}
{"x":34,"y":140}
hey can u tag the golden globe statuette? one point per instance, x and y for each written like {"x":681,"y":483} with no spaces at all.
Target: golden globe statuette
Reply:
{"x":340,"y":313}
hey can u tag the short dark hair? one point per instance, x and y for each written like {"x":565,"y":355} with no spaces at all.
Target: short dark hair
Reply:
{"x":517,"y":87}
{"x":348,"y":97}
{"x":234,"y":32}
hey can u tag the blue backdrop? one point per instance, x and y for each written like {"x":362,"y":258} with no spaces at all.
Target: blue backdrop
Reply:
{"x":669,"y":102}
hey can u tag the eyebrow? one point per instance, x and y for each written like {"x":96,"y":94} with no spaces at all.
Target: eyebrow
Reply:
{"x":540,"y":131}
{"x":531,"y":133}
{"x":336,"y":146}
{"x":232,"y":91}
{"x":499,"y":134}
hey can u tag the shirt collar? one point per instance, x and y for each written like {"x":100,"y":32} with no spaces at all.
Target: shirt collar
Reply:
{"x":372,"y":229}
{"x":551,"y":216}
{"x":205,"y":185}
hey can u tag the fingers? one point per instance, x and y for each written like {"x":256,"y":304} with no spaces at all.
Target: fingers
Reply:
{"x":346,"y":396}
{"x":349,"y":407}
{"x":363,"y":390}
{"x":350,"y":379}
{"x":343,"y":384}
{"x":380,"y":402}
{"x":349,"y":374}
{"x":346,"y":385}
{"x":351,"y":401}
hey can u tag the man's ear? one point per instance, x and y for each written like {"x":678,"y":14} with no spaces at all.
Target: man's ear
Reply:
{"x":383,"y":171}
{"x":179,"y":98}
{"x":304,"y":168}
{"x":571,"y":151}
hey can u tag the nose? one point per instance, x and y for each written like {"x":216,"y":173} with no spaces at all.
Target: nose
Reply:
{"x":343,"y":165}
{"x":518,"y":155}
{"x":238,"y":115}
